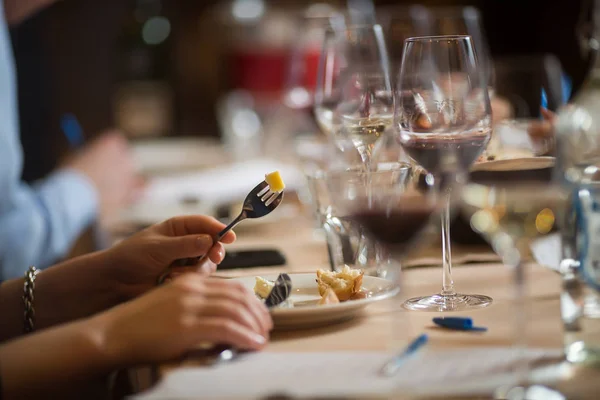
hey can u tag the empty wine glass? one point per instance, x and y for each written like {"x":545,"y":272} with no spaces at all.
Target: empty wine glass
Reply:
{"x":354,"y":96}
{"x":438,"y":21}
{"x":443,"y":116}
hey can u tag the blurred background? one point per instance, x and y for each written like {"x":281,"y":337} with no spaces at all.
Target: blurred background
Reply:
{"x":178,"y":68}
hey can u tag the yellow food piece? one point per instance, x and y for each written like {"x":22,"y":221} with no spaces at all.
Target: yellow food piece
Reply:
{"x":329,"y":297}
{"x":275,"y":181}
{"x":345,"y":283}
{"x":263,"y":287}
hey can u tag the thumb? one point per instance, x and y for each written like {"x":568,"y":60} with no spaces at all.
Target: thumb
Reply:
{"x":177,"y":247}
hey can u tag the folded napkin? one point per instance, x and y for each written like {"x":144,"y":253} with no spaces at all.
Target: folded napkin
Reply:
{"x":356,"y":374}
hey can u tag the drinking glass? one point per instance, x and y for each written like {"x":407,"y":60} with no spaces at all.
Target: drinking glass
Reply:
{"x":346,"y":242}
{"x":354,"y":96}
{"x":438,"y":21}
{"x":443,"y":117}
{"x":510,"y":215}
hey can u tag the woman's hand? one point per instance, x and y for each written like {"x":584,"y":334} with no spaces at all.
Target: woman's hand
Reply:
{"x":138,"y":261}
{"x":159,"y":326}
{"x":179,"y":316}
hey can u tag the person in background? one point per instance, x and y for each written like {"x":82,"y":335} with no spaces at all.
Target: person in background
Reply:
{"x":89,"y":323}
{"x":39,"y":223}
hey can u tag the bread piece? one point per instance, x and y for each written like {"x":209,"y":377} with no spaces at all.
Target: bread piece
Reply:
{"x":345,"y":283}
{"x":263,"y":287}
{"x":329,"y":297}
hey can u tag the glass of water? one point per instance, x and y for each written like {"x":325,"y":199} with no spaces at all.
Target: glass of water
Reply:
{"x":347,"y":244}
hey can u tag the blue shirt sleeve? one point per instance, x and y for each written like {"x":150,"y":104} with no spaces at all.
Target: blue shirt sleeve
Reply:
{"x":38,"y":223}
{"x":44,"y":220}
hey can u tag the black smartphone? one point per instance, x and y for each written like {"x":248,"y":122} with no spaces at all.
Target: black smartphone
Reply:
{"x":252,"y":258}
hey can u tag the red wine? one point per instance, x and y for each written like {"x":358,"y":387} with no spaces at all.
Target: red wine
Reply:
{"x":398,"y":227}
{"x":429,"y":150}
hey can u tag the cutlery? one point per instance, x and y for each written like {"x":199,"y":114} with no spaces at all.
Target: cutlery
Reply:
{"x":259,"y":202}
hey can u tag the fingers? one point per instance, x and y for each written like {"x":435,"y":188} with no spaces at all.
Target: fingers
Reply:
{"x":174,"y":248}
{"x":231,"y":310}
{"x":196,"y":224}
{"x":547,"y":114}
{"x":217,"y":253}
{"x":223,"y":330}
{"x":243,"y":297}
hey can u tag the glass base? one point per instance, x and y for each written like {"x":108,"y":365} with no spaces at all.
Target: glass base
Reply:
{"x":438,"y":302}
{"x":527,"y":392}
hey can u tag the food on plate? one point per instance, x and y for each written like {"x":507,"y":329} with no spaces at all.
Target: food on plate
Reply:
{"x":329,"y":297}
{"x":345,"y":283}
{"x":263,"y":287}
{"x":275,"y":181}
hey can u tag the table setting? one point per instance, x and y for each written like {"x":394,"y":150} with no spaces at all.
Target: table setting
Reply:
{"x":409,"y":168}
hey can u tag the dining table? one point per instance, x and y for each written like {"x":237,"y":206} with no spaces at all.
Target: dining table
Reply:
{"x":387,"y":326}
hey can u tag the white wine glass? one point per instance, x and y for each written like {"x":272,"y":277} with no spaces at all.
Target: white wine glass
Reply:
{"x":354,"y":96}
{"x":443,"y":115}
{"x":510,"y":215}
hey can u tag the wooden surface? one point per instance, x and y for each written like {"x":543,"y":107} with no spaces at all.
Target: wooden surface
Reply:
{"x":387,"y":326}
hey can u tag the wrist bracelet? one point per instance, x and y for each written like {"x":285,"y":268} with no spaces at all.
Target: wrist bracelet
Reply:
{"x":28,"y":289}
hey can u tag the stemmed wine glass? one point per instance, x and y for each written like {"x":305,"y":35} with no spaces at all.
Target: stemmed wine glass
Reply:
{"x":354,"y":96}
{"x":510,"y":214}
{"x":443,"y":115}
{"x":460,"y":21}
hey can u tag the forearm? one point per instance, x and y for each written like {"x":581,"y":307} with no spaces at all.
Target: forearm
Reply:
{"x":18,"y":10}
{"x":63,"y":358}
{"x":74,"y":289}
{"x":39,"y":224}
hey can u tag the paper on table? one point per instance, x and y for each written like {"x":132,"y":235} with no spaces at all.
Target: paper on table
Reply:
{"x":547,"y":251}
{"x":356,"y":374}
{"x":223,"y":184}
{"x":166,"y":195}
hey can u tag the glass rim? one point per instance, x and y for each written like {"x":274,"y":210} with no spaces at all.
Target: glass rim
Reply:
{"x":354,"y":27}
{"x":394,"y":166}
{"x":437,"y":38}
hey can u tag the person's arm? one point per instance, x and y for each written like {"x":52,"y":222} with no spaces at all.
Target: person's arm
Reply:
{"x":74,"y":289}
{"x":39,"y":224}
{"x":86,"y":285}
{"x":159,"y":326}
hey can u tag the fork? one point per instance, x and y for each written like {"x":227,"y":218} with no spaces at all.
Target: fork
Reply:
{"x":259,"y":202}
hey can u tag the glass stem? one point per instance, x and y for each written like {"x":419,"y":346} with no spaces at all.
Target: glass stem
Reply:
{"x":447,"y":282}
{"x":365,"y":155}
{"x":521,"y":313}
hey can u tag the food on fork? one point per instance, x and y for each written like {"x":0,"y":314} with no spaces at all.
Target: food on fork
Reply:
{"x":275,"y":181}
{"x":329,"y":297}
{"x":345,"y":283}
{"x":263,"y":287}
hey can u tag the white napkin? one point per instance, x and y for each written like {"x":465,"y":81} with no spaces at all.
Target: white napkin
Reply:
{"x":547,"y":251}
{"x":258,"y":375}
{"x":223,"y":184}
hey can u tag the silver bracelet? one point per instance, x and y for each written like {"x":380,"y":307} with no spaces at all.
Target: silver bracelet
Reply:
{"x":28,"y":288}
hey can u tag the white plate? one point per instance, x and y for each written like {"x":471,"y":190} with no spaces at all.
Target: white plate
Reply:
{"x":515,"y":164}
{"x":307,"y":314}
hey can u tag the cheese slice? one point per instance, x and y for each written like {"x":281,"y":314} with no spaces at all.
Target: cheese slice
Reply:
{"x":263,"y":287}
{"x":275,"y":181}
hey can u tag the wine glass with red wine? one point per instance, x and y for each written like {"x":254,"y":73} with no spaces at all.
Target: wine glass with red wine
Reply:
{"x":443,"y":117}
{"x":354,"y":96}
{"x":396,"y":216}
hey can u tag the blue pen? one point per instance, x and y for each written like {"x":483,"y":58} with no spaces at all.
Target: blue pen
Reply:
{"x":72,"y":130}
{"x":392,"y":366}
{"x":458,"y":323}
